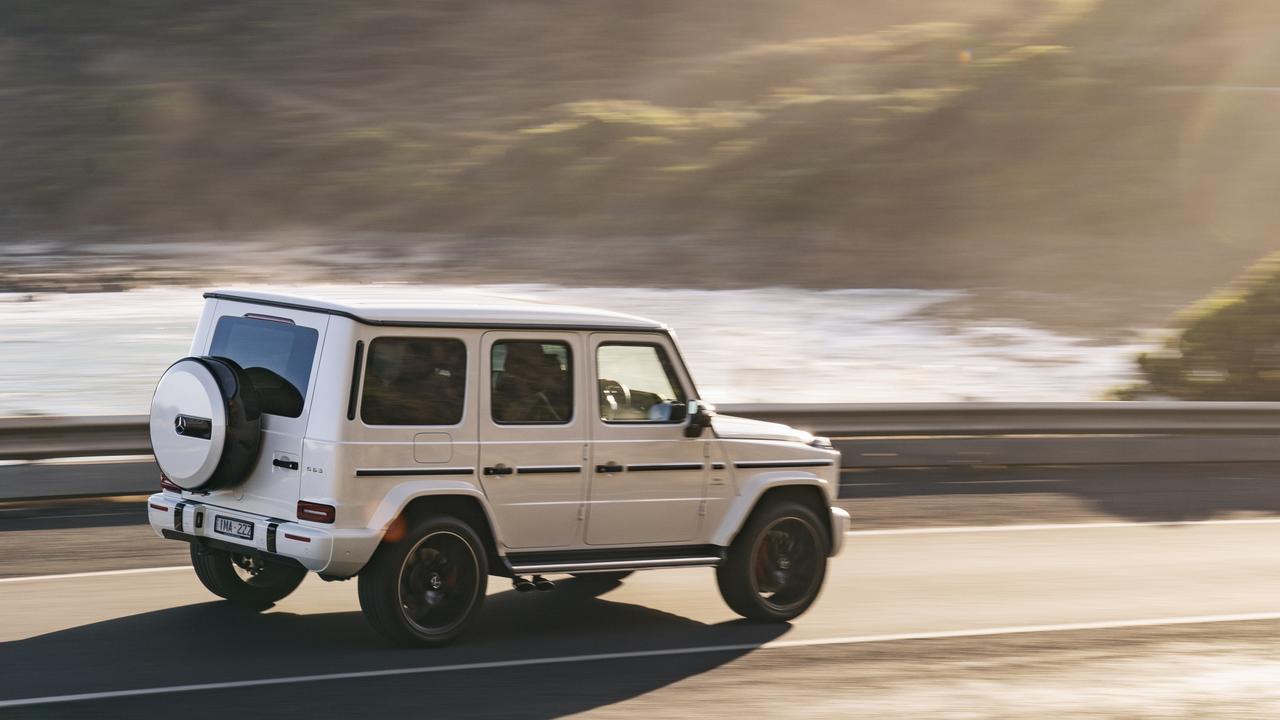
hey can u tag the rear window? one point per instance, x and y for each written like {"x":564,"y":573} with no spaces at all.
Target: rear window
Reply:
{"x":275,"y":355}
{"x":415,"y":381}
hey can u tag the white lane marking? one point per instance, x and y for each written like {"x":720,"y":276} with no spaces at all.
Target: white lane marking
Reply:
{"x":122,"y":513}
{"x":1060,"y":526}
{"x":1027,"y":481}
{"x":626,"y":655}
{"x":99,"y":573}
{"x":863,"y":533}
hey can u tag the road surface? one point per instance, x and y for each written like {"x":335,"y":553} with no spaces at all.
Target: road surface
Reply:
{"x":1110,"y":616}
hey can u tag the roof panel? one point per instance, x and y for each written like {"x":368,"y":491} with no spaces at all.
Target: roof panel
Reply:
{"x":378,"y":306}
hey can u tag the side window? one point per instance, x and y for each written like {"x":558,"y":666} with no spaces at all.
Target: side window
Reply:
{"x":532,"y":382}
{"x":414,"y":381}
{"x":637,"y":383}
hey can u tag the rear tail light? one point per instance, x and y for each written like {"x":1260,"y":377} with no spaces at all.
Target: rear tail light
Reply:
{"x":316,"y":512}
{"x":167,"y":484}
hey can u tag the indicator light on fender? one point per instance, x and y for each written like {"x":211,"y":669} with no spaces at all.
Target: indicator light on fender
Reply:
{"x":316,"y":512}
{"x":167,"y":484}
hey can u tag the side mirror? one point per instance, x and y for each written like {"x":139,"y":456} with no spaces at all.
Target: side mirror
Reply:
{"x":699,"y":418}
{"x":672,"y":412}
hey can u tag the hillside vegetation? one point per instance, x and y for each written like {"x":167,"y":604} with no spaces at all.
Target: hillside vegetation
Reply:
{"x":1046,"y":144}
{"x":1225,"y":347}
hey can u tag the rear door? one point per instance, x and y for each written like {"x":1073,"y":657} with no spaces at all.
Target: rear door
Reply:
{"x":648,"y":480}
{"x":533,"y":436}
{"x":279,"y":349}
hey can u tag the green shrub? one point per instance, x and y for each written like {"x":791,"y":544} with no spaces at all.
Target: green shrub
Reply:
{"x":1226,"y":347}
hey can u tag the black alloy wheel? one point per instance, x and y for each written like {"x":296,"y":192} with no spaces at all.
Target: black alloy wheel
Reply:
{"x":776,"y":565}
{"x":438,"y":582}
{"x":425,"y":589}
{"x":785,"y":564}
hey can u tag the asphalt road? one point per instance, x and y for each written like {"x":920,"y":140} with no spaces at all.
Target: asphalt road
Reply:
{"x":109,"y":533}
{"x":1102,"y":616}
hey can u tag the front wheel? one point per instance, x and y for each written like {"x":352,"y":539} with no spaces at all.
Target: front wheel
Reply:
{"x":776,"y":565}
{"x":244,"y":579}
{"x":426,"y":588}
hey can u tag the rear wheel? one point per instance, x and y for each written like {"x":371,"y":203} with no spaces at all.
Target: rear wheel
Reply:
{"x":425,"y":589}
{"x":243,"y":579}
{"x":776,"y":565}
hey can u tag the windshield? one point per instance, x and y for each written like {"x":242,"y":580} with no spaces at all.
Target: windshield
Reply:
{"x":276,"y":355}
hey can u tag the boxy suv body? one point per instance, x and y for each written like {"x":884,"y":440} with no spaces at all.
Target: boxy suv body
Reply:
{"x":425,"y":447}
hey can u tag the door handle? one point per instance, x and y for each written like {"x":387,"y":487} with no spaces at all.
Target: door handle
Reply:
{"x":609,"y":467}
{"x":286,"y":464}
{"x":499,"y":469}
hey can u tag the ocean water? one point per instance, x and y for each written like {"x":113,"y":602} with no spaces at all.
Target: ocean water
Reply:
{"x":101,"y":353}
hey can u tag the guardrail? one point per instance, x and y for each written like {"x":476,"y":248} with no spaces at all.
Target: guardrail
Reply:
{"x":977,"y":419}
{"x":869,"y":436}
{"x":41,"y":437}
{"x":969,"y":434}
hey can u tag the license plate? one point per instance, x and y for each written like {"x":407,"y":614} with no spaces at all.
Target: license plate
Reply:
{"x":233,"y":527}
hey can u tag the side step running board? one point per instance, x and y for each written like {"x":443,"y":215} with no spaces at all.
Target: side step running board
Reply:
{"x":580,"y":561}
{"x":610,"y":565}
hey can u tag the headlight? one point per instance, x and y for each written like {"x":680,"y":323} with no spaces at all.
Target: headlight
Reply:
{"x":822,"y":442}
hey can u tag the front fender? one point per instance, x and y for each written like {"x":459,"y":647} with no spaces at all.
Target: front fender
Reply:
{"x":752,"y":487}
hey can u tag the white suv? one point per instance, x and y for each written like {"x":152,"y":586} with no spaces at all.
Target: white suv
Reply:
{"x":425,"y":447}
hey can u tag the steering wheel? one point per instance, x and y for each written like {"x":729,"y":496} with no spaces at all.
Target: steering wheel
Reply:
{"x":615,"y":394}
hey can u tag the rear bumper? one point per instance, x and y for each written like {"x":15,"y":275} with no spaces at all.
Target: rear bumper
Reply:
{"x":334,"y":552}
{"x":839,"y":526}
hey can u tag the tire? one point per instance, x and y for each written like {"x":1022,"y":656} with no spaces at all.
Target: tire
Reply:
{"x":777,"y":563}
{"x":440,"y":558}
{"x":243,"y":580}
{"x":602,"y":578}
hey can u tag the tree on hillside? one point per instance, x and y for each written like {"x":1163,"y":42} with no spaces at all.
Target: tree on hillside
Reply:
{"x":1225,"y":347}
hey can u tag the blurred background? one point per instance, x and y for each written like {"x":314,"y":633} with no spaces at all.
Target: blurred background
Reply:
{"x":831,"y":201}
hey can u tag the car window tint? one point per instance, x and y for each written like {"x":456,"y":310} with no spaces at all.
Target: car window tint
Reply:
{"x":636,"y":382}
{"x":275,"y":355}
{"x":414,"y":381}
{"x":532,"y":382}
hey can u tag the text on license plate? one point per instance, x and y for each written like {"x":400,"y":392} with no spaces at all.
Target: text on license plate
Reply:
{"x":233,"y":527}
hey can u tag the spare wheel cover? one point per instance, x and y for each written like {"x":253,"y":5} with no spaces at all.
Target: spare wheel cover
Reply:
{"x":197,"y":429}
